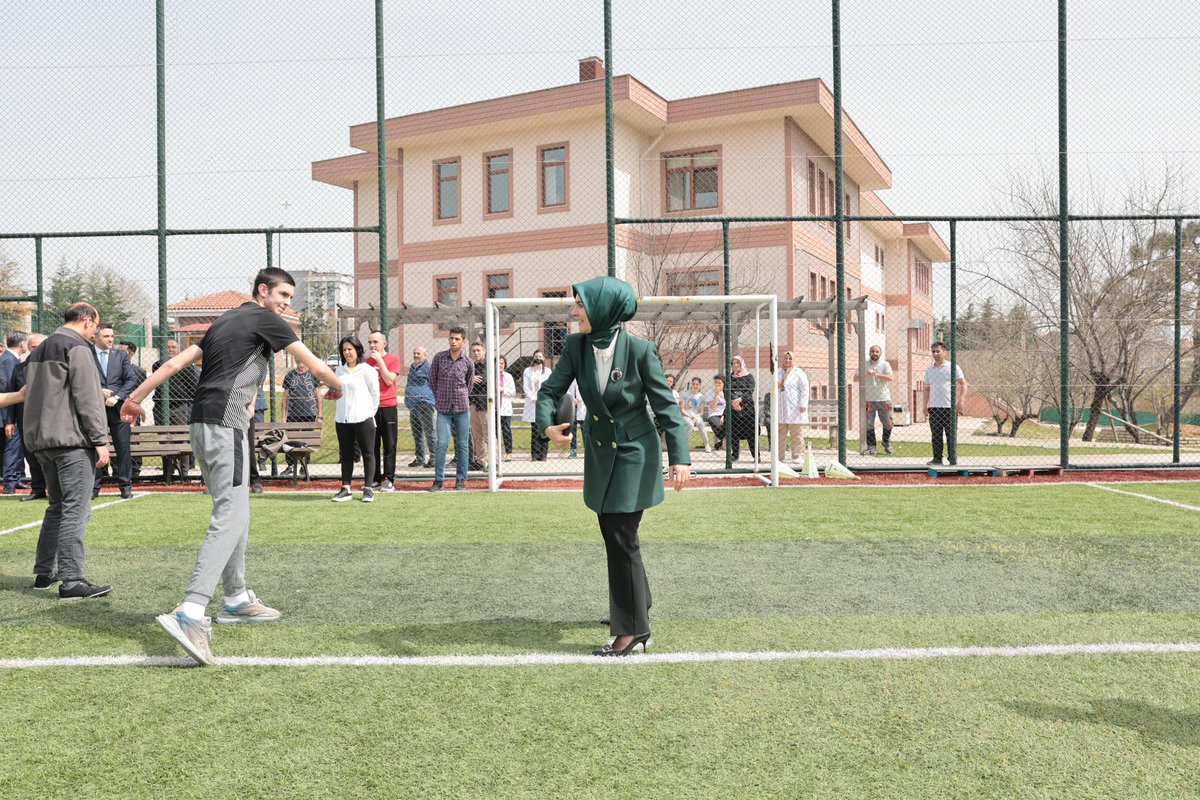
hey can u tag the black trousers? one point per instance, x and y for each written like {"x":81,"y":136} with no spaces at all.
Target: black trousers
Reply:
{"x":743,"y":428}
{"x":939,"y":428}
{"x":629,"y":597}
{"x":386,"y":430}
{"x":119,"y":431}
{"x":539,"y":445}
{"x":506,"y":434}
{"x":361,"y":434}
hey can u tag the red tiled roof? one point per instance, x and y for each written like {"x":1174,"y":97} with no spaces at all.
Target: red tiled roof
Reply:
{"x":195,"y":327}
{"x":223,"y":300}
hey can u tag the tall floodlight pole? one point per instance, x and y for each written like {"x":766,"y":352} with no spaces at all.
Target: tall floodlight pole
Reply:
{"x":609,"y":149}
{"x":381,"y":167}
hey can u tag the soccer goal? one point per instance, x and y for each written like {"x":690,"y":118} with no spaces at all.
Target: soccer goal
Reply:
{"x":758,"y":312}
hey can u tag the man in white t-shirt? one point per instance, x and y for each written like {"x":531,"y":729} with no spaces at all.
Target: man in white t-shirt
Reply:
{"x":877,"y":391}
{"x":937,"y":381}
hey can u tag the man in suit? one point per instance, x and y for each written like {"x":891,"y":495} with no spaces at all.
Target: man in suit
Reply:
{"x":12,"y":454}
{"x":117,"y":381}
{"x":130,"y":349}
{"x":617,"y":374}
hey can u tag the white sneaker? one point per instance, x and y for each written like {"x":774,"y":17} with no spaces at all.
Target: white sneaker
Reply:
{"x":194,"y":636}
{"x":386,"y":486}
{"x":368,"y":495}
{"x":343,"y":495}
{"x":253,"y":610}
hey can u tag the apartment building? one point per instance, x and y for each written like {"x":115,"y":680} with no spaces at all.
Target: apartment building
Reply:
{"x":506,"y":197}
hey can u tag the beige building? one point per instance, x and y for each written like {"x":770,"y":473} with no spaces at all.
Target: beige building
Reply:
{"x":507,"y":197}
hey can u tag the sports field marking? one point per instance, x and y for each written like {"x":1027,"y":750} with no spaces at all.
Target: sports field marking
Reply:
{"x":1144,"y":496}
{"x":548,"y":659}
{"x":36,"y":523}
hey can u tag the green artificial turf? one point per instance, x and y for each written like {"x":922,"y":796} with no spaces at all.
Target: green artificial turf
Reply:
{"x":835,"y":569}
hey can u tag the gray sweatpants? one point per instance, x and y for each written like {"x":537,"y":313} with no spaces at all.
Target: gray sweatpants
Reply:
{"x":224,"y":460}
{"x":69,"y":474}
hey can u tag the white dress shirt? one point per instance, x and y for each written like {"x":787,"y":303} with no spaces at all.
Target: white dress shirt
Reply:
{"x":604,"y":360}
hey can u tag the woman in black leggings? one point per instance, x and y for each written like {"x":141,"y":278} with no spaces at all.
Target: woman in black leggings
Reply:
{"x":355,"y":420}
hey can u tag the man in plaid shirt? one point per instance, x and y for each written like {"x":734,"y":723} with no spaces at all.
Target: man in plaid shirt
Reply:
{"x":450,"y":375}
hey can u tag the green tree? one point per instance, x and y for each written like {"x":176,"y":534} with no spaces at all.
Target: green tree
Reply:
{"x":119,"y":300}
{"x":10,"y":286}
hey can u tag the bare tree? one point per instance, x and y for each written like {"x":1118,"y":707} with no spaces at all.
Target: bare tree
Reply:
{"x":1117,"y":290}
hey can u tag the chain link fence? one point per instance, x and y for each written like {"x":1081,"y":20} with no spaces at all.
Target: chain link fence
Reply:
{"x":725,"y":179}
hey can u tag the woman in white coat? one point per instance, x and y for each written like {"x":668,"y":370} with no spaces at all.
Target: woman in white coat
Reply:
{"x":506,"y":389}
{"x":535,"y":374}
{"x":793,"y":407}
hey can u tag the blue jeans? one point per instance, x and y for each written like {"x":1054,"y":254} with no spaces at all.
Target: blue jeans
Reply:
{"x":462,"y":432}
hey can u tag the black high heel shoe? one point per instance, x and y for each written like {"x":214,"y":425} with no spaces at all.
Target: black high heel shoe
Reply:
{"x":642,"y":638}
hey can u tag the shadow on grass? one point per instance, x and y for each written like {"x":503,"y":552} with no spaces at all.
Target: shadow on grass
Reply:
{"x":519,"y":635}
{"x":1154,"y":722}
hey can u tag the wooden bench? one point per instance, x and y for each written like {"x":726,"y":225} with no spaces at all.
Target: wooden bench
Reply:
{"x":297,"y":458}
{"x":171,"y":443}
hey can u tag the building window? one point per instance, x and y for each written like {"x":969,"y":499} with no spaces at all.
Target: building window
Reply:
{"x":832,"y":202}
{"x":498,"y":285}
{"x":446,"y":189}
{"x":693,"y":282}
{"x":812,"y":188}
{"x":821,"y":192}
{"x":824,"y":288}
{"x":812,"y":286}
{"x":921,"y":275}
{"x":692,"y":180}
{"x":847,"y":211}
{"x":498,"y":184}
{"x":445,"y":291}
{"x":552,"y":168}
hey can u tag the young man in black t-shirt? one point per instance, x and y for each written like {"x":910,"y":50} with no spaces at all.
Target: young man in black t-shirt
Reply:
{"x":236,"y":351}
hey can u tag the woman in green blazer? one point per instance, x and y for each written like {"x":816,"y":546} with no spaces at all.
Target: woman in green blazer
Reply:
{"x":622,"y":468}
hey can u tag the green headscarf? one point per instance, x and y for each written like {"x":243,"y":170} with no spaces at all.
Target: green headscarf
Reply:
{"x":608,"y":302}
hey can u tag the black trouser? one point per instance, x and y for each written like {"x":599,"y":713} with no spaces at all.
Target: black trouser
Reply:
{"x":119,"y":431}
{"x":361,"y":434}
{"x":629,"y":597}
{"x":506,"y":433}
{"x":743,"y":428}
{"x":386,"y":430}
{"x":539,"y":445}
{"x":939,"y":427}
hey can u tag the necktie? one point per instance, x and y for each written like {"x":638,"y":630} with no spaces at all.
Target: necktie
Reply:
{"x":104,"y":362}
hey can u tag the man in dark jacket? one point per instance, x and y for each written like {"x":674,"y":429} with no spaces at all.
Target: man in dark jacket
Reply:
{"x":66,"y":426}
{"x":117,"y":382}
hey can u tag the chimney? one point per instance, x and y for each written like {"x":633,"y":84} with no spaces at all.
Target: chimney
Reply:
{"x":590,"y":69}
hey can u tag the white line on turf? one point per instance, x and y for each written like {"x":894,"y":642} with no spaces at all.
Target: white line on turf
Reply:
{"x":552,"y":659}
{"x":1144,"y":496}
{"x":36,"y":523}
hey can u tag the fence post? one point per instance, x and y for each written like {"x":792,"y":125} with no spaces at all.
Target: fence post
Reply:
{"x":1177,"y":404}
{"x":840,"y":223}
{"x":609,"y":148}
{"x":952,"y":445}
{"x":381,"y":166}
{"x":161,"y":103}
{"x":728,"y":346}
{"x":41,"y":292}
{"x":1064,"y":299}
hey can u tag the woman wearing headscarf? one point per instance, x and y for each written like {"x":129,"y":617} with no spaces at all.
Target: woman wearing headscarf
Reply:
{"x":618,"y":374}
{"x":741,"y":386}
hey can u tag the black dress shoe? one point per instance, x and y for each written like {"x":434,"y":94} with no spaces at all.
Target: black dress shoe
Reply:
{"x":10,"y":489}
{"x":416,"y":462}
{"x":22,"y":484}
{"x":126,"y":493}
{"x":606,"y":621}
{"x":429,"y":464}
{"x":477,"y":466}
{"x":607,"y":650}
{"x":95,"y":493}
{"x":33,"y":496}
{"x":436,"y":486}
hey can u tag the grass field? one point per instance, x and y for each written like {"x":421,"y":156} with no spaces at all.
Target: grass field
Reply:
{"x":744,"y":571}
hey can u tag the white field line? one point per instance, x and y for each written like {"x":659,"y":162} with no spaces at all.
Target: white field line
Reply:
{"x":1144,"y":496}
{"x":136,"y":496}
{"x":549,"y":659}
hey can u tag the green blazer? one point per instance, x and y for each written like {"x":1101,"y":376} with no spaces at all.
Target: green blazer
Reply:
{"x":622,"y":465}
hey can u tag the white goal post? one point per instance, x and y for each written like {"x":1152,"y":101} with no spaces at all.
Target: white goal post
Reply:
{"x":492,"y":338}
